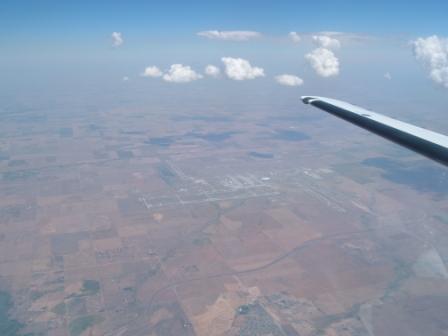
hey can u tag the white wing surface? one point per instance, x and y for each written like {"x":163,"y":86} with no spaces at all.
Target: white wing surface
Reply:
{"x":428,"y":143}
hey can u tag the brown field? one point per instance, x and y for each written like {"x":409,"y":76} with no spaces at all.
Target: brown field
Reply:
{"x":174,"y":228}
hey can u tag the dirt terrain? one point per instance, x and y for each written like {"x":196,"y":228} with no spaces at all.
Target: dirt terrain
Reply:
{"x":223,"y":224}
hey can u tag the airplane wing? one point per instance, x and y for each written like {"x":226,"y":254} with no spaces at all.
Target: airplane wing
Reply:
{"x":428,"y":143}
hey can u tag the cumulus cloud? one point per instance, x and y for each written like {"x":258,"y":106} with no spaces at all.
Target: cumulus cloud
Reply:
{"x":324,"y":62}
{"x":294,"y":37}
{"x":241,"y":69}
{"x":388,"y":76}
{"x":125,"y":78}
{"x":432,"y":52}
{"x":234,"y":35}
{"x":212,"y":71}
{"x":289,"y":80}
{"x":325,"y":41}
{"x":179,"y":73}
{"x":117,"y":39}
{"x":152,"y":71}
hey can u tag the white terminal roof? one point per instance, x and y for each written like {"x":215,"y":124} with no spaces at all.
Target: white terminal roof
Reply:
{"x":419,"y":132}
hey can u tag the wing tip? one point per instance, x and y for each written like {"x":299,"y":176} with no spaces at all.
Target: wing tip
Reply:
{"x":308,"y":99}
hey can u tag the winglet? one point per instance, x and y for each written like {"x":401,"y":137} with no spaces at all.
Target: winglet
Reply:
{"x":308,"y":99}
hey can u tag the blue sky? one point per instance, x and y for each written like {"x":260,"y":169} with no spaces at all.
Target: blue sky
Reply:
{"x":68,"y":43}
{"x":53,"y":20}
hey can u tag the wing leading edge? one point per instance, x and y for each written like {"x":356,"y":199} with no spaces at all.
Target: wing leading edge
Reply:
{"x":428,"y":143}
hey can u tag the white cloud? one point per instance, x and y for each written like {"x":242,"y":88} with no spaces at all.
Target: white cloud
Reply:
{"x":152,"y":71}
{"x":179,"y":73}
{"x":241,"y":69}
{"x":235,"y":35}
{"x":432,"y":52}
{"x":347,"y":37}
{"x":117,"y":39}
{"x":388,"y":76}
{"x":294,"y":37}
{"x":212,"y":71}
{"x":289,"y":80}
{"x":325,"y":41}
{"x":324,"y":62}
{"x":125,"y":78}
